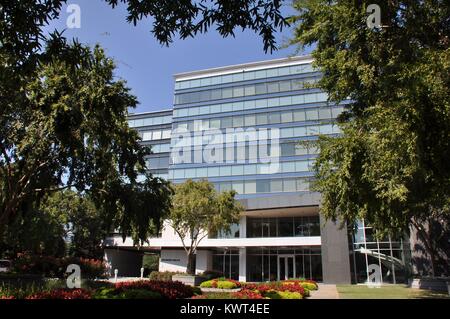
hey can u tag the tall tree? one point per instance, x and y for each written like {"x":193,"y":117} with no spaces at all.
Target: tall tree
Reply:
{"x":63,"y":114}
{"x":391,"y":165}
{"x":198,"y":210}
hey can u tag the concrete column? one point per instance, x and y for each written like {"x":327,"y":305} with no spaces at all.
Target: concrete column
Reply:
{"x":242,"y":264}
{"x":335,"y":253}
{"x":243,"y":227}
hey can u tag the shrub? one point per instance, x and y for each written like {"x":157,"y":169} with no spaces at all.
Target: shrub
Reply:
{"x":48,"y":266}
{"x":162,"y":275}
{"x":207,"y":284}
{"x":276,"y":294}
{"x":167,"y":289}
{"x":226,"y":285}
{"x":62,"y":294}
{"x":221,"y":283}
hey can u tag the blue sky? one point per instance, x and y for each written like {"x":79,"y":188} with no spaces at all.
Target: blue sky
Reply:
{"x":146,"y":65}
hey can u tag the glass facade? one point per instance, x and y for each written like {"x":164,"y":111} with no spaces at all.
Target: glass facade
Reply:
{"x":268,"y":111}
{"x":270,"y":264}
{"x":391,"y":255}
{"x":247,"y":76}
{"x":155,"y":131}
{"x":226,"y":262}
{"x":296,"y":226}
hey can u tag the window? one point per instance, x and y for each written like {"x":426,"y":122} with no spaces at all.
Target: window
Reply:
{"x":297,"y":85}
{"x":261,"y":88}
{"x":249,"y":90}
{"x":286,"y":117}
{"x":238,"y":91}
{"x":272,"y":87}
{"x":285,"y":227}
{"x":156,"y":135}
{"x":238,"y":121}
{"x":250,"y":187}
{"x":285,"y":86}
{"x":288,"y":149}
{"x":216,"y":94}
{"x":301,"y":150}
{"x":226,"y":122}
{"x":288,"y":167}
{"x":299,"y":116}
{"x":225,"y":187}
{"x":312,"y":115}
{"x":302,"y":184}
{"x":213,"y":171}
{"x":215,"y":108}
{"x":289,"y":185}
{"x":262,"y":186}
{"x":300,"y":131}
{"x":325,"y":113}
{"x":227,"y":93}
{"x":225,"y":170}
{"x":238,"y":187}
{"x":261,"y":119}
{"x":287,"y":132}
{"x":276,"y":186}
{"x":166,"y":134}
{"x":237,"y":170}
{"x":214,"y":124}
{"x":201,"y":172}
{"x":250,"y":120}
{"x":301,"y":166}
{"x":274,"y":118}
{"x":204,"y":96}
{"x":147,"y":136}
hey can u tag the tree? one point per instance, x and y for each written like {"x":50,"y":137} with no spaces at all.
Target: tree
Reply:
{"x":198,"y":209}
{"x":391,"y":164}
{"x":63,"y":115}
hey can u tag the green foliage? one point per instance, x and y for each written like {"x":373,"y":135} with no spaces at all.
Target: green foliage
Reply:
{"x":188,"y":18}
{"x":222,"y":284}
{"x":198,"y":209}
{"x":63,"y":114}
{"x":390,"y":166}
{"x":150,"y":262}
{"x":206,"y":284}
{"x":275,"y":294}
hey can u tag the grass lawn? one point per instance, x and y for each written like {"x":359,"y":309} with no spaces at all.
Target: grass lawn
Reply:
{"x":387,"y":292}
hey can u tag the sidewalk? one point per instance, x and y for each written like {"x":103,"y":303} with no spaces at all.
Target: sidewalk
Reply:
{"x":325,"y":292}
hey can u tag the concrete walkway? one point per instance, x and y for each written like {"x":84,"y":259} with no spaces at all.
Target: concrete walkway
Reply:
{"x":325,"y":291}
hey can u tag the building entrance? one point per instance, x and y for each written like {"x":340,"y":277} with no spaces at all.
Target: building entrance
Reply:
{"x":286,"y":267}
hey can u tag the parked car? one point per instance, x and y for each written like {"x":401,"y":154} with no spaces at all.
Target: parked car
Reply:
{"x":5,"y":265}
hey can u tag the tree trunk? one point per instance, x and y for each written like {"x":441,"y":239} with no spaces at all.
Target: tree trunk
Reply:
{"x":190,"y":269}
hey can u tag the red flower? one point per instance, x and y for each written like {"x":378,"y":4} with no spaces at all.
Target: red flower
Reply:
{"x":62,"y":294}
{"x":167,"y":289}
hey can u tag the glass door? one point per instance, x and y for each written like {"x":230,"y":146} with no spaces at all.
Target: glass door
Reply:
{"x":286,"y":267}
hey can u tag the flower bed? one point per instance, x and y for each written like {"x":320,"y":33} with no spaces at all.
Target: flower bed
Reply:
{"x":167,"y":289}
{"x":62,"y":294}
{"x":49,"y":266}
{"x":221,"y":283}
{"x":144,"y":289}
